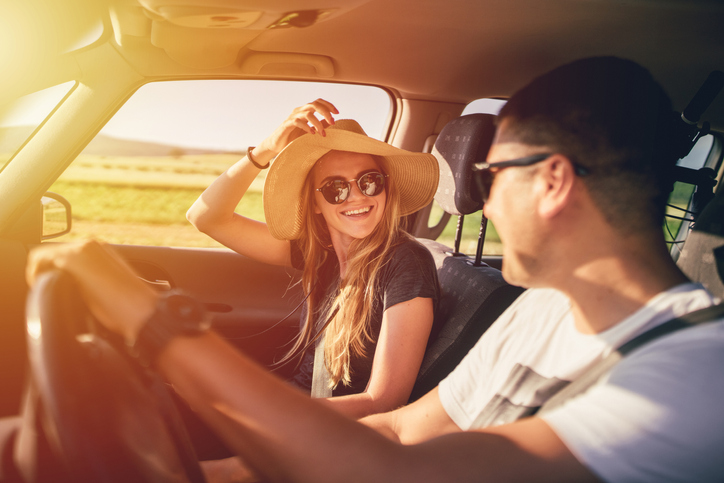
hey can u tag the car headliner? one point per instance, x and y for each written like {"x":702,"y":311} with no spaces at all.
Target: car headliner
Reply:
{"x":443,"y":50}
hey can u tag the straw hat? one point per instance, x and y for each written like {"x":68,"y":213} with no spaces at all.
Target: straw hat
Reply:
{"x":415,"y":174}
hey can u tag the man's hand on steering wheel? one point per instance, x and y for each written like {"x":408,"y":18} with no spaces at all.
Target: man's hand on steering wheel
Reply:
{"x":112,"y":292}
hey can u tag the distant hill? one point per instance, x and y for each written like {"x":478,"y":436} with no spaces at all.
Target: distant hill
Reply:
{"x":12,"y":137}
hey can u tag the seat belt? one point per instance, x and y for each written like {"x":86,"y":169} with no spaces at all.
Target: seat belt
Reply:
{"x":320,"y":374}
{"x":597,"y":371}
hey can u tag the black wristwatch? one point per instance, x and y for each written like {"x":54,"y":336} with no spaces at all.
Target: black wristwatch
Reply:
{"x":176,"y":314}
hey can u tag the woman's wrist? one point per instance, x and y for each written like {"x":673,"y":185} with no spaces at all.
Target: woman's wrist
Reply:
{"x":261,"y":156}
{"x":253,"y":160}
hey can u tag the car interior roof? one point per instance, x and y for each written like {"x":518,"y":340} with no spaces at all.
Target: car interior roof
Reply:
{"x":451,"y":51}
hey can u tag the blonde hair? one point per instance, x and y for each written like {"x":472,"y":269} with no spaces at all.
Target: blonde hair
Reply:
{"x":348,"y":331}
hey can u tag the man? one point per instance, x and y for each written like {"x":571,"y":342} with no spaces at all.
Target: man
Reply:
{"x":577,"y":197}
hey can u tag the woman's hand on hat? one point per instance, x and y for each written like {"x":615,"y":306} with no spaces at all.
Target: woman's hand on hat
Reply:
{"x":302,"y":120}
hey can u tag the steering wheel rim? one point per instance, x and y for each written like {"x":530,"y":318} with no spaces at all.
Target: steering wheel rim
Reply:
{"x":106,"y":417}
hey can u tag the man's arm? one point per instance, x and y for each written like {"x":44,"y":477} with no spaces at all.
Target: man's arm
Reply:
{"x":417,"y":422}
{"x":286,"y":436}
{"x":283,"y":434}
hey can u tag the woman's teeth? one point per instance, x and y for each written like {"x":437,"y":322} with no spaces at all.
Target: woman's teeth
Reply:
{"x":360,"y":211}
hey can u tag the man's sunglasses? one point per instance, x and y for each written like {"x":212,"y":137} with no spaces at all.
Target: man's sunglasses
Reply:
{"x":337,"y":191}
{"x":484,"y":173}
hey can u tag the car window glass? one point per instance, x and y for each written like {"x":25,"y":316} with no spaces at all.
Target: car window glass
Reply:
{"x":20,"y":117}
{"x":697,"y":157}
{"x":135,"y":181}
{"x":484,"y":106}
{"x":676,"y":228}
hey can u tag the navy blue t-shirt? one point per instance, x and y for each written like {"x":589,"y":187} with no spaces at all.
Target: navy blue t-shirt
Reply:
{"x":409,"y":273}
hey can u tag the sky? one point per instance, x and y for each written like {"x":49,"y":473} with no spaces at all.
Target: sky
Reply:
{"x":235,"y":114}
{"x":221,"y":114}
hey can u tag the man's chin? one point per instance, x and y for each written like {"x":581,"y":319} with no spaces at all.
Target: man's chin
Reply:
{"x":513,"y":274}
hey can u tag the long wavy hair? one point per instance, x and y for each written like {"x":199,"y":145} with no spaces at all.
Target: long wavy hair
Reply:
{"x":348,"y":330}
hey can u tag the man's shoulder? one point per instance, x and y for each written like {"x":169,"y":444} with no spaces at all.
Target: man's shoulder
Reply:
{"x":687,"y":345}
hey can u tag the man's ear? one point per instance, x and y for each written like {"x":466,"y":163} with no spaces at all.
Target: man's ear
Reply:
{"x":558,"y":174}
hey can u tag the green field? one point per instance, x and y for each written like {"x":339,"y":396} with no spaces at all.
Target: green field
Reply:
{"x":143,"y":200}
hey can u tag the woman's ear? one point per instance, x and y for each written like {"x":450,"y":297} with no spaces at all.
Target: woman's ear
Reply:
{"x":559,"y":176}
{"x":317,"y":211}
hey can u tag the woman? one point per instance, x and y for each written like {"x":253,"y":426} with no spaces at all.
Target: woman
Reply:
{"x":333,"y":200}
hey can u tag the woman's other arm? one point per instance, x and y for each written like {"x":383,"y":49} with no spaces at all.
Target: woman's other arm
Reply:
{"x":400,"y":348}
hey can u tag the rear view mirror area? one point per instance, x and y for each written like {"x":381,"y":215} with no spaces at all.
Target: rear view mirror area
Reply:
{"x":49,"y":218}
{"x":56,"y":216}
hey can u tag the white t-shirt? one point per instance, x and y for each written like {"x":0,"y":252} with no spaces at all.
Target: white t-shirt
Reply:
{"x":657,"y":417}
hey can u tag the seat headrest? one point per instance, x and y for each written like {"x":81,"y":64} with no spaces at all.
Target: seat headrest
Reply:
{"x":462,"y":143}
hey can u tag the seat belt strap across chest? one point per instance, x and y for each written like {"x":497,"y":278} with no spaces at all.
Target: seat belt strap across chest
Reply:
{"x":320,"y":374}
{"x":595,"y":373}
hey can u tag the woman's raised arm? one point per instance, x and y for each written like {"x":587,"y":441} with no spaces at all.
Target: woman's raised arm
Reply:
{"x":213,"y":212}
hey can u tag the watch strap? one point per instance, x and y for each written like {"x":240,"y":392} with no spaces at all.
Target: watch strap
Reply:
{"x":175,"y":314}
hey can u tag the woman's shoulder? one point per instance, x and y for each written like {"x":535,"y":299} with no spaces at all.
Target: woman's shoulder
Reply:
{"x":409,"y":272}
{"x":409,"y":248}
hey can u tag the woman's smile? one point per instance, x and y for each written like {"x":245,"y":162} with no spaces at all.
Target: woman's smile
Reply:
{"x":358,"y":212}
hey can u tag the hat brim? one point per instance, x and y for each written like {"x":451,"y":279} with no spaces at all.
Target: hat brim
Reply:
{"x":415,"y":175}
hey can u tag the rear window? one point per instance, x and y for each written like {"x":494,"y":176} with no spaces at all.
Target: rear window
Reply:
{"x":678,"y":222}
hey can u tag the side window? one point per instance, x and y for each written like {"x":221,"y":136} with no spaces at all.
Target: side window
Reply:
{"x":471,"y":223}
{"x":134,"y":182}
{"x":677,"y":223}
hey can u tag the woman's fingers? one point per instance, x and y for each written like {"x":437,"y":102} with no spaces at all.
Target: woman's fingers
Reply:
{"x":308,"y":114}
{"x":325,"y":109}
{"x":312,"y":118}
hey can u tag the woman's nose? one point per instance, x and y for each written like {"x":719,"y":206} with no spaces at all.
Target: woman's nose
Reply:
{"x":354,"y":191}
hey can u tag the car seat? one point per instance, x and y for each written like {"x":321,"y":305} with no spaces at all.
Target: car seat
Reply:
{"x":473,"y":294}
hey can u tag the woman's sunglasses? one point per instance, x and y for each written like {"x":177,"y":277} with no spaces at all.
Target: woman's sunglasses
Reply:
{"x":337,"y":191}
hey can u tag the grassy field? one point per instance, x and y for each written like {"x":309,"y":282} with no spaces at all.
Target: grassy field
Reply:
{"x":143,"y":200}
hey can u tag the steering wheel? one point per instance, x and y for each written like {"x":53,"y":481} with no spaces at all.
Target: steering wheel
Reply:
{"x":104,"y":415}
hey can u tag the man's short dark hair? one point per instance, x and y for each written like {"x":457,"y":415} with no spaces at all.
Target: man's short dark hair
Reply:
{"x":610,"y":116}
